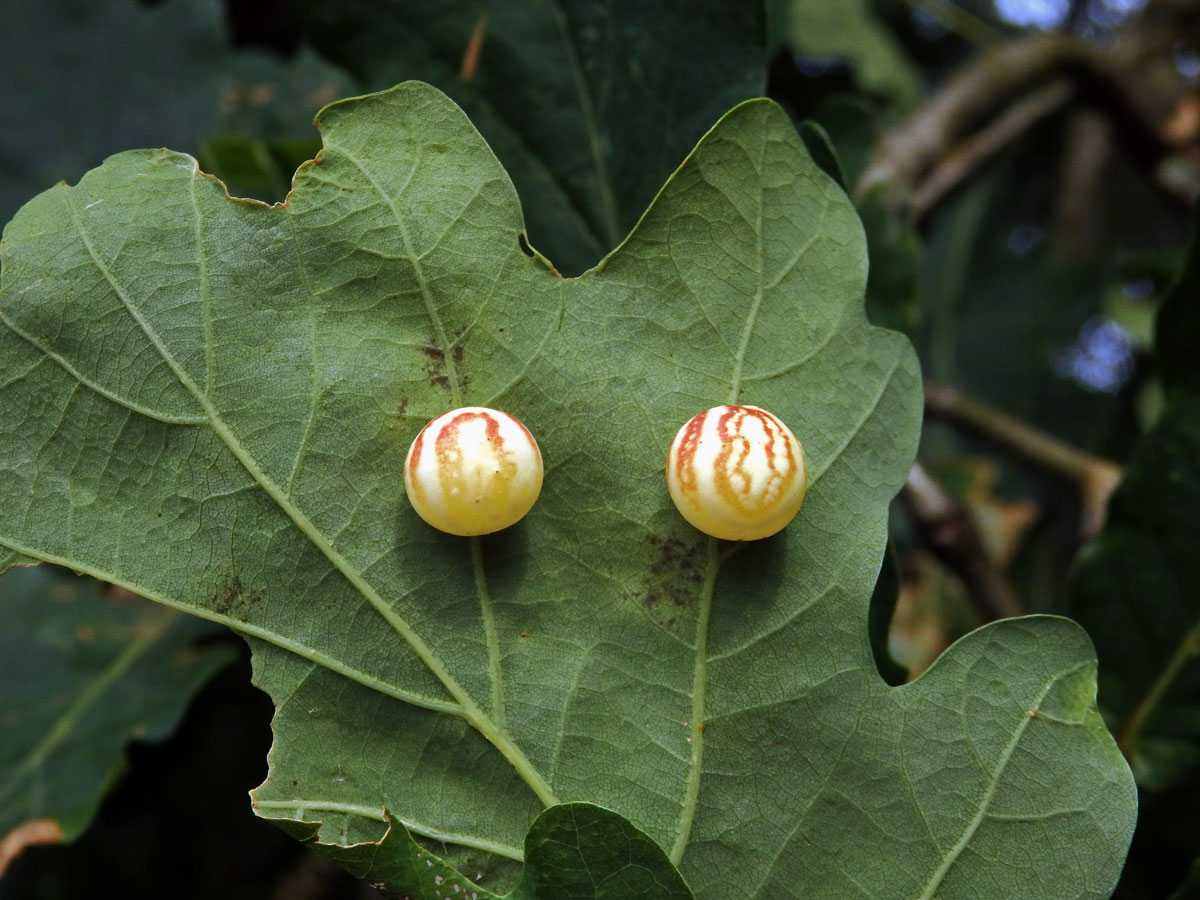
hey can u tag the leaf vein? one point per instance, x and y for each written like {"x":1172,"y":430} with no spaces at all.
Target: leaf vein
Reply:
{"x":48,"y":354}
{"x":478,"y":719}
{"x":951,"y":856}
{"x":267,"y":636}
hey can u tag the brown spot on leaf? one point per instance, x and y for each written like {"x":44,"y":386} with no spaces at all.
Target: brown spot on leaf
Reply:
{"x":28,"y":834}
{"x":227,"y":595}
{"x":435,"y":364}
{"x":233,"y":600}
{"x":674,"y":577}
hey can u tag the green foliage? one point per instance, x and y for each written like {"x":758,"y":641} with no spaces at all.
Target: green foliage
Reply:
{"x":256,"y":169}
{"x":81,"y":79}
{"x":892,"y":245}
{"x":1135,"y":593}
{"x":1135,"y":590}
{"x":589,"y":106}
{"x":80,"y":674}
{"x":848,"y":31}
{"x":221,"y":395}
{"x":574,"y":851}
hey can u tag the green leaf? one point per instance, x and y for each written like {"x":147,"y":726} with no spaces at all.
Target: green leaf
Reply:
{"x":80,"y":674}
{"x":589,"y":106}
{"x":820,"y":148}
{"x":221,"y":395}
{"x":82,"y":79}
{"x":1135,"y":588}
{"x":574,"y":851}
{"x":848,"y":31}
{"x":1135,"y":592}
{"x":578,"y":851}
{"x":841,"y":140}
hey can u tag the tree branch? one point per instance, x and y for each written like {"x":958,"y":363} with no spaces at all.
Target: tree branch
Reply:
{"x":950,"y":532}
{"x":905,"y":154}
{"x":960,"y":162}
{"x":1133,"y":78}
{"x":1093,"y":478}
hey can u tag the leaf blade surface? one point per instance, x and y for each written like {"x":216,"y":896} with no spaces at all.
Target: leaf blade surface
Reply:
{"x":723,"y":699}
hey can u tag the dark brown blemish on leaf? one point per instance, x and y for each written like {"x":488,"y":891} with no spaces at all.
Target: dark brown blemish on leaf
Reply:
{"x":401,"y":407}
{"x":673,"y":579}
{"x":435,"y":364}
{"x":227,"y":595}
{"x":233,"y":600}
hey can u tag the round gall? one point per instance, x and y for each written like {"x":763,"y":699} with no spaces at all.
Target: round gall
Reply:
{"x":737,"y":473}
{"x":473,"y":471}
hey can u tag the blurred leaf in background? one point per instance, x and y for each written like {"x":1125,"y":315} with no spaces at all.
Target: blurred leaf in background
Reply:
{"x":82,"y":79}
{"x":1137,"y":589}
{"x":847,"y":31}
{"x":83,"y":669}
{"x":589,"y":106}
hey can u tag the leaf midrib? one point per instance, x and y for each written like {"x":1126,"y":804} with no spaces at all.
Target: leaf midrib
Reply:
{"x":687,"y":814}
{"x":487,"y":614}
{"x":470,"y":709}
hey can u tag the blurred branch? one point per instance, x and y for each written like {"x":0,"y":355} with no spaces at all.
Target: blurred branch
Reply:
{"x":905,"y":154}
{"x":964,"y":159}
{"x":1093,"y":478}
{"x":950,"y":533}
{"x":1079,"y":210}
{"x":1008,"y":89}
